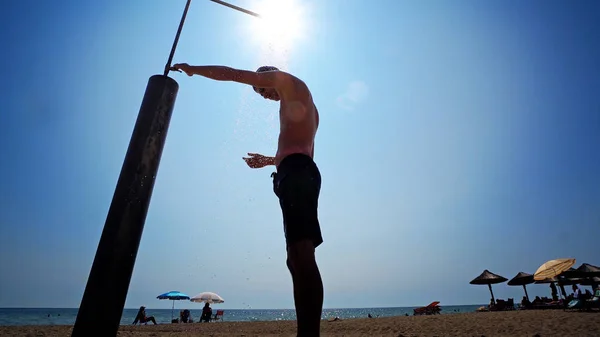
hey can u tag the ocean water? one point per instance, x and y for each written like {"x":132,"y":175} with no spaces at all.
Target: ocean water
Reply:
{"x":55,"y":316}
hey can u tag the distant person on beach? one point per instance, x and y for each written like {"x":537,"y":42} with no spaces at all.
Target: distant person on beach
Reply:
{"x":525,"y":303}
{"x":184,"y":316}
{"x":206,"y":313}
{"x":297,"y":182}
{"x":576,"y":291}
{"x":142,"y":318}
{"x":554,"y":291}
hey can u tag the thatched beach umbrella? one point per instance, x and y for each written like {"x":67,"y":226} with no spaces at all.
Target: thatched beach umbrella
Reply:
{"x":583,"y":271}
{"x":589,"y":270}
{"x":569,"y":273}
{"x":488,"y":278}
{"x":590,"y":281}
{"x":553,"y":268}
{"x":586,"y":274}
{"x":522,"y":279}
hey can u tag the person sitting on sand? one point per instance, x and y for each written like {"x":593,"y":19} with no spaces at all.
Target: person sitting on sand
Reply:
{"x":525,"y":303}
{"x":184,"y":316}
{"x":596,"y":296}
{"x":142,"y":318}
{"x":206,"y":313}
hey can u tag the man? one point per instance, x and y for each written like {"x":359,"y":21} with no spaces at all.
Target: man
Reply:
{"x":297,"y":182}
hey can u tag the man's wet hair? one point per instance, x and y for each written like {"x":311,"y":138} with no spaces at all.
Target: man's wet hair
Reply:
{"x":266,"y":68}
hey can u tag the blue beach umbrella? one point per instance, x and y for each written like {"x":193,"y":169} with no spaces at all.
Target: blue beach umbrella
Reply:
{"x":173,"y":296}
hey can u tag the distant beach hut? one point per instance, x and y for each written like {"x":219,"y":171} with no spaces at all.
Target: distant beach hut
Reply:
{"x":173,"y":296}
{"x":522,"y":279}
{"x":488,"y":278}
{"x":553,"y":268}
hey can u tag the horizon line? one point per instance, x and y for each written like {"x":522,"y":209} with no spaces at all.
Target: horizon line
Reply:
{"x":135,"y":308}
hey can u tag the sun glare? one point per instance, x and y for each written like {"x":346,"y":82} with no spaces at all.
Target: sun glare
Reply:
{"x":281,"y":24}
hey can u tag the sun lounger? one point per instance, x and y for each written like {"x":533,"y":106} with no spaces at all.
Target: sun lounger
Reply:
{"x":432,"y":309}
{"x":594,"y":302}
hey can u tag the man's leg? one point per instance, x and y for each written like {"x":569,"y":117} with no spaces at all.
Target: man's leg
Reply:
{"x":308,"y":287}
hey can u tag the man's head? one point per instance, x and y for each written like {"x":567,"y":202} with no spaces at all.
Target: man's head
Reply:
{"x":267,"y":93}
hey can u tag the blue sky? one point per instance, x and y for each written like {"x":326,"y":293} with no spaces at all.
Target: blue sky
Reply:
{"x":454,"y":137}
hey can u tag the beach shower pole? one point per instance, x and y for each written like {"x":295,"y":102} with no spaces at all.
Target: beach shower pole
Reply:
{"x":108,"y":282}
{"x":243,"y":10}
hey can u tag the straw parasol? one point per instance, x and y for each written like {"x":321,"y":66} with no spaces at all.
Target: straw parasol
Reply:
{"x":586,"y":274}
{"x":553,"y":268}
{"x":488,"y":278}
{"x":583,"y":271}
{"x":522,"y":279}
{"x":589,"y":270}
{"x":590,"y":281}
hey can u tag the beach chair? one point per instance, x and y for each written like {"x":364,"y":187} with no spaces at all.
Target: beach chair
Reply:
{"x":576,"y":304}
{"x":594,"y":302}
{"x":510,"y":304}
{"x":218,"y":315}
{"x":500,"y":305}
{"x":432,"y":309}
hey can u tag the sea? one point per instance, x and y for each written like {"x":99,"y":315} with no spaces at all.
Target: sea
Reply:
{"x":57,"y":316}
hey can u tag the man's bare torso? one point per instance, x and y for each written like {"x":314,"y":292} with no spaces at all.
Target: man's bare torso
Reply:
{"x":299,"y":120}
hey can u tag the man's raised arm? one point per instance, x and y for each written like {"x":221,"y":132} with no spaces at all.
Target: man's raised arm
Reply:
{"x":266,"y":79}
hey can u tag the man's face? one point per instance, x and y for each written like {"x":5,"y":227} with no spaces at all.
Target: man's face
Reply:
{"x":268,"y":93}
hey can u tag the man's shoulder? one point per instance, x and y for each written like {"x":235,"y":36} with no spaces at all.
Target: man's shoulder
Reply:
{"x":297,"y":90}
{"x":290,"y":79}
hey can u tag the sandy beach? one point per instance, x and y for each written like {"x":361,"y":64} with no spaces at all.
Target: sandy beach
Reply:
{"x":514,"y":323}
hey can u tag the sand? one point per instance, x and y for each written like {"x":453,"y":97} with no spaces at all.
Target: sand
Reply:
{"x":514,"y":323}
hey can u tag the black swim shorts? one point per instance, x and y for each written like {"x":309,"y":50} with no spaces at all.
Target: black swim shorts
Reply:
{"x":297,"y":184}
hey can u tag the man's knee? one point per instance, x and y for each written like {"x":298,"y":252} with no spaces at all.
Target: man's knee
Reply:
{"x":301,"y":256}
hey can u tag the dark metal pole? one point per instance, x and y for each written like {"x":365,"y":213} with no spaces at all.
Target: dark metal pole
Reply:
{"x":106,"y":290}
{"x":491,"y":292}
{"x":236,"y":8}
{"x":168,"y":65}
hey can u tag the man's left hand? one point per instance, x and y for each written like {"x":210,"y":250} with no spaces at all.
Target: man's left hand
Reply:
{"x":186,"y":68}
{"x":256,"y":160}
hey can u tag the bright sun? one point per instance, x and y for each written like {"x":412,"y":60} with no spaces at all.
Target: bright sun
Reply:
{"x":281,"y":24}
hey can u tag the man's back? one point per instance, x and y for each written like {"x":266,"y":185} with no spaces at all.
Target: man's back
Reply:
{"x":299,"y":120}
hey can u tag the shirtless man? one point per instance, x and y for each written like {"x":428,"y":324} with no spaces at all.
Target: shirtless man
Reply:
{"x":297,"y":182}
